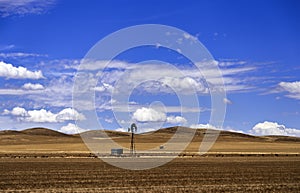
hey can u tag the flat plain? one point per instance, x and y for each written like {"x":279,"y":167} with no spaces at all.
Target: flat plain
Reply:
{"x":41,"y":160}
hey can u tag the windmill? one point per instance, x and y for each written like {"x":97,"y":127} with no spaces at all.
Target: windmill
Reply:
{"x":132,"y":129}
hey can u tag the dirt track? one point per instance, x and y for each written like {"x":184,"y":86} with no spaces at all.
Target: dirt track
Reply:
{"x":206,"y":174}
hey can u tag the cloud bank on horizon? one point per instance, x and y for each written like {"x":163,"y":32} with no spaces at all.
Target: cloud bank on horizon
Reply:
{"x":140,"y":112}
{"x":37,"y":79}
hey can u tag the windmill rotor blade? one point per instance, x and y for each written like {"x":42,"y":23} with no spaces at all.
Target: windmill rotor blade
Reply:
{"x":133,"y":126}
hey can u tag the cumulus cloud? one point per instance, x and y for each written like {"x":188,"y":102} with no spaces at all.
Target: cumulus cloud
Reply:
{"x":9,"y":71}
{"x":24,"y":7}
{"x":273,"y":128}
{"x":202,"y":126}
{"x":43,"y":116}
{"x":71,"y":129}
{"x":17,"y":111}
{"x":293,"y":88}
{"x":176,"y":119}
{"x":148,"y":115}
{"x":30,"y":86}
{"x":39,"y":116}
{"x":69,"y":114}
{"x":151,"y":115}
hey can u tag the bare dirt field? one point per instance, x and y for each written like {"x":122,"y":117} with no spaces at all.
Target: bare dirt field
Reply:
{"x":205,"y":174}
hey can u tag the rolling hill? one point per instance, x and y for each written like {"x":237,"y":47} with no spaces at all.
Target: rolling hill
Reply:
{"x":46,"y":140}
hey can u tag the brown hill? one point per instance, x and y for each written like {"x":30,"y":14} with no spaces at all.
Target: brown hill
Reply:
{"x":164,"y":132}
{"x":43,"y":131}
{"x":200,"y":133}
{"x":10,"y":132}
{"x":279,"y":138}
{"x":46,"y":140}
{"x":103,"y":134}
{"x":223,"y":135}
{"x":35,"y":136}
{"x":226,"y":135}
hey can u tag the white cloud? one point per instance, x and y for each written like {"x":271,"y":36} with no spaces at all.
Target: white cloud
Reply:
{"x":202,"y":126}
{"x":17,"y":111}
{"x":58,"y":93}
{"x":176,"y":119}
{"x":30,"y":86}
{"x":9,"y":71}
{"x":20,"y":55}
{"x":105,"y":87}
{"x":27,"y":89}
{"x":99,"y":89}
{"x":133,"y":106}
{"x":151,"y":115}
{"x":208,"y":126}
{"x":293,"y":88}
{"x":69,"y":114}
{"x":18,"y":92}
{"x":184,"y":84}
{"x":108,"y":120}
{"x":121,"y":129}
{"x":24,"y":7}
{"x":6,"y":47}
{"x":235,"y":131}
{"x":71,"y":129}
{"x":148,"y":115}
{"x":189,"y":37}
{"x":273,"y":128}
{"x":102,"y":64}
{"x":231,"y":62}
{"x":227,"y":101}
{"x":43,"y":116}
{"x":162,"y":78}
{"x":39,"y":116}
{"x":232,"y":130}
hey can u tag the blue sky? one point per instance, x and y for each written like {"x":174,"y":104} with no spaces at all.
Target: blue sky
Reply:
{"x":254,"y":43}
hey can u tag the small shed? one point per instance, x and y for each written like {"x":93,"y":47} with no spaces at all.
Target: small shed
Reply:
{"x":116,"y":151}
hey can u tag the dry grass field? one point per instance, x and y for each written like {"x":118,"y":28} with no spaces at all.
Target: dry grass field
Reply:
{"x":41,"y":160}
{"x":40,"y":140}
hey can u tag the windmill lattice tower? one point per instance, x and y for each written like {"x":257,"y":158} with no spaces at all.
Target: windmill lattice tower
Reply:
{"x":132,"y":129}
